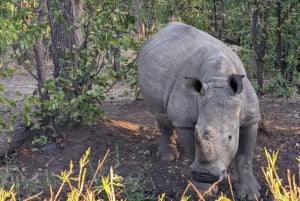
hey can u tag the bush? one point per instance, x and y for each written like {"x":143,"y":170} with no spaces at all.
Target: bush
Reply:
{"x":278,"y":86}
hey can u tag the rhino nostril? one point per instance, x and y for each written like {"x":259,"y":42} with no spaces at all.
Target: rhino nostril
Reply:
{"x":207,"y":177}
{"x":204,"y":177}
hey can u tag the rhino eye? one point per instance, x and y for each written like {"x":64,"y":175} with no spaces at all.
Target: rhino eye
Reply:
{"x":230,"y":137}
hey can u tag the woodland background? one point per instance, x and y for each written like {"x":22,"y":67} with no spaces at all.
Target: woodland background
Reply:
{"x":93,"y":44}
{"x":77,"y":52}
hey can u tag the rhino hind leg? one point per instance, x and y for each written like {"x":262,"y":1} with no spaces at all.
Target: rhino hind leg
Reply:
{"x":246,"y":184}
{"x":167,"y":150}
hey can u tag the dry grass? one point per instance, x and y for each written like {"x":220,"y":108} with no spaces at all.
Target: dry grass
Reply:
{"x":280,"y":192}
{"x":77,"y":187}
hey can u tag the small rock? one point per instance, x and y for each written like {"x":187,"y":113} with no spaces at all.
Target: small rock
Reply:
{"x":147,"y":153}
{"x":34,"y":149}
{"x":297,"y":116}
{"x":49,"y":147}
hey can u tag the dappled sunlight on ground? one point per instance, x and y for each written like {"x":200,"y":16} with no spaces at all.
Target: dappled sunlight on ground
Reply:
{"x":125,"y":124}
{"x":296,"y":129}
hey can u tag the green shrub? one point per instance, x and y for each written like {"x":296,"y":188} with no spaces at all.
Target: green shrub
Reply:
{"x":279,"y":86}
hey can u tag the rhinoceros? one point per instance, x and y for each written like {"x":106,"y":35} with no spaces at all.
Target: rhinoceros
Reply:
{"x":197,"y":86}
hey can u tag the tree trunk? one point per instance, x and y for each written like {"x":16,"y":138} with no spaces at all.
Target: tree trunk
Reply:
{"x":259,"y":35}
{"x":279,"y":40}
{"x":215,"y":18}
{"x":39,"y":52}
{"x":78,"y":13}
{"x":117,"y":55}
{"x":282,"y":50}
{"x":144,"y":22}
{"x":65,"y":38}
{"x":222,"y":15}
{"x":138,"y":4}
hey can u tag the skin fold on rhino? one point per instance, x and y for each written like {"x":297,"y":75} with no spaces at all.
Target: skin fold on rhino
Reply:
{"x":197,"y":86}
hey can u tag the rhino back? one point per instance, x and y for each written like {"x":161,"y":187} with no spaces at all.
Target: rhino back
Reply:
{"x":178,"y":51}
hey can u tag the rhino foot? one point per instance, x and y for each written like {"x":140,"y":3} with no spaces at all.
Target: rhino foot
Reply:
{"x":168,"y":152}
{"x":247,"y":188}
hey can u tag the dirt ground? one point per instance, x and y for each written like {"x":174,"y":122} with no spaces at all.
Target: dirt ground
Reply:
{"x":132,"y":137}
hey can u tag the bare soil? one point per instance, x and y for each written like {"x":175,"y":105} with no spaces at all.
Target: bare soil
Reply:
{"x":132,"y":136}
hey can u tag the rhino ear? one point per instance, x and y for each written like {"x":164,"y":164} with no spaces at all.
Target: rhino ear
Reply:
{"x":235,"y":83}
{"x":195,"y":85}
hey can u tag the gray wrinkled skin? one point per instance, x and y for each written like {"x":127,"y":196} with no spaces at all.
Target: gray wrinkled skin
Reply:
{"x":197,"y":86}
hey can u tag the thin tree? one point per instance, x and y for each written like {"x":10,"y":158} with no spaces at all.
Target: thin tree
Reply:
{"x":259,"y":36}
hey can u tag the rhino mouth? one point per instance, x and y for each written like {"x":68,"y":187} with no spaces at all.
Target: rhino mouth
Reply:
{"x":207,"y":177}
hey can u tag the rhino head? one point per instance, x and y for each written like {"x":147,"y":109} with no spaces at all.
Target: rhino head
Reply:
{"x":217,"y":127}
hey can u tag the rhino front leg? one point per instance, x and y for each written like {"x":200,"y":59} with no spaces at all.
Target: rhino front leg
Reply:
{"x":246,"y":184}
{"x":167,"y":150}
{"x":187,"y":140}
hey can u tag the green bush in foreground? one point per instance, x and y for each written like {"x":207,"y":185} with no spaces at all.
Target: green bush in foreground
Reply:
{"x":77,"y":187}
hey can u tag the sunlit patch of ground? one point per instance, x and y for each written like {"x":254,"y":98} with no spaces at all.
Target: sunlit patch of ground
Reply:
{"x":125,"y":124}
